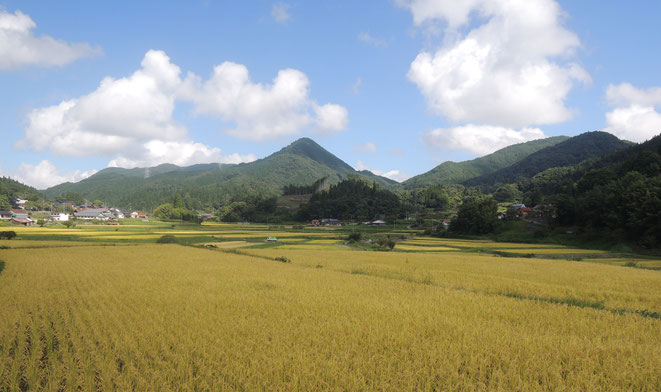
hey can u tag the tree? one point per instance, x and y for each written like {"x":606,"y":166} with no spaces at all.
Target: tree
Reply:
{"x":507,"y":193}
{"x":178,"y":201}
{"x":476,"y":216}
{"x":4,"y":202}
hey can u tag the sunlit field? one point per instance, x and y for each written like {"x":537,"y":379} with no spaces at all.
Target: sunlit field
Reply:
{"x":94,"y":308}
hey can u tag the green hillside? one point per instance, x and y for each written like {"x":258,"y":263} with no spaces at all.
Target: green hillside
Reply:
{"x":569,"y":152}
{"x":609,"y":199}
{"x":458,"y":172}
{"x":10,"y":189}
{"x":213,"y":185}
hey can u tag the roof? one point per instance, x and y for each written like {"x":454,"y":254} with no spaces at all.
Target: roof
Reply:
{"x":19,"y":220}
{"x":91,"y":212}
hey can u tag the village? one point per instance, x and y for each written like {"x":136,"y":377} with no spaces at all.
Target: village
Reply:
{"x":64,"y":212}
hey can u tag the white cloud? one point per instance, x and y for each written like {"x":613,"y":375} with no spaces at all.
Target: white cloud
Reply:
{"x":260,"y":111}
{"x":479,"y":139}
{"x":635,"y":116}
{"x":130,"y":119}
{"x":395,"y":175}
{"x":635,"y":123}
{"x":507,"y":70}
{"x":19,"y":47}
{"x":366,"y":147}
{"x":280,"y":12}
{"x":114,"y":117}
{"x":45,"y":175}
{"x":368,"y":39}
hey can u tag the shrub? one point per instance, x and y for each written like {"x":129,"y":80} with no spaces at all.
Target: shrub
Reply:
{"x":355,"y":237}
{"x":8,"y":234}
{"x":167,"y":239}
{"x":282,"y":259}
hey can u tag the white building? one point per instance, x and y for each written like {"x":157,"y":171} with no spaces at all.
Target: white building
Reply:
{"x":60,"y":217}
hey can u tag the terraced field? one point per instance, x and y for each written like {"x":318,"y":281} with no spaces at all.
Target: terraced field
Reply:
{"x":84,"y":314}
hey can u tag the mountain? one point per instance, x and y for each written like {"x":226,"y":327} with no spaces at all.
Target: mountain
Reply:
{"x":302,"y":162}
{"x":458,"y":172}
{"x":610,"y":199}
{"x":569,"y":152}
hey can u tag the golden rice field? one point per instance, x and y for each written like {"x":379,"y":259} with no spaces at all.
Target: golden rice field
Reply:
{"x":173,"y":317}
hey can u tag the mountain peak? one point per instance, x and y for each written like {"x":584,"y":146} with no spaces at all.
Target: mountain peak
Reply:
{"x":307,"y":147}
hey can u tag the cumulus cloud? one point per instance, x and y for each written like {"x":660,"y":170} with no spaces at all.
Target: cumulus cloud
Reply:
{"x":479,"y":139}
{"x":45,"y":175}
{"x":368,"y":39}
{"x":130,"y":119}
{"x":19,"y":47}
{"x":280,"y":12}
{"x":260,"y":111}
{"x":114,"y":117}
{"x":366,"y":147}
{"x":395,"y":175}
{"x":510,"y":68}
{"x":635,"y":116}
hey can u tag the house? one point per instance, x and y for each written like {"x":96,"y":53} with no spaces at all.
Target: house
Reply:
{"x":22,"y":221}
{"x":18,"y":203}
{"x":94,"y":213}
{"x":315,"y":222}
{"x":19,"y":213}
{"x":204,"y":216}
{"x":446,"y":223}
{"x":518,"y":206}
{"x":59,"y":216}
{"x":378,"y":222}
{"x":331,"y":222}
{"x":118,"y":213}
{"x":138,"y":215}
{"x":5,"y":215}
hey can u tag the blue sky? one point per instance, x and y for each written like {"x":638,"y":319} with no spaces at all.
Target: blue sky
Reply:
{"x":396,"y":87}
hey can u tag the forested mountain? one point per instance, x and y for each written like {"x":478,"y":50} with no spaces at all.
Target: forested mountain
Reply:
{"x":614,"y":197}
{"x":569,"y":152}
{"x":213,"y":185}
{"x":458,"y":172}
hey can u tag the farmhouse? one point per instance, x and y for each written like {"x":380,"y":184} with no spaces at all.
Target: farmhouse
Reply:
{"x":59,"y":216}
{"x":331,"y":222}
{"x":22,"y":221}
{"x":5,"y":215}
{"x":19,"y":213}
{"x":94,"y":213}
{"x":138,"y":214}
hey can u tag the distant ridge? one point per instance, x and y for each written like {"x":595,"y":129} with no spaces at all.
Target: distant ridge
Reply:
{"x":458,"y":172}
{"x":569,"y":152}
{"x":302,"y":162}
